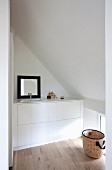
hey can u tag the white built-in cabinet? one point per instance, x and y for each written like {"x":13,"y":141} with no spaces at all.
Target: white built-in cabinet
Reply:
{"x":43,"y":122}
{"x":93,"y":120}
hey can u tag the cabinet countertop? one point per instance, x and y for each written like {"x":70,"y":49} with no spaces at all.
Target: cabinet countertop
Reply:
{"x":44,"y":100}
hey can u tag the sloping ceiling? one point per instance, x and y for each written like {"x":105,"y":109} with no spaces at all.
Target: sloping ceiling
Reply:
{"x":67,"y":36}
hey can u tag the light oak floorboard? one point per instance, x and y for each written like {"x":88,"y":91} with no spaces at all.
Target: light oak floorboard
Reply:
{"x":63,"y":155}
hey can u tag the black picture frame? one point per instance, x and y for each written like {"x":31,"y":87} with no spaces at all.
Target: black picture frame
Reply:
{"x":38,"y":95}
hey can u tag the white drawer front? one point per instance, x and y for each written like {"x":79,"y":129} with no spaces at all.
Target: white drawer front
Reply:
{"x":23,"y":114}
{"x":65,"y":110}
{"x":38,"y":133}
{"x":39,"y":113}
{"x":64,"y":129}
{"x":32,"y":113}
{"x":23,"y":135}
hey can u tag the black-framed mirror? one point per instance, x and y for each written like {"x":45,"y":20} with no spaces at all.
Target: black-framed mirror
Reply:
{"x":28,"y":87}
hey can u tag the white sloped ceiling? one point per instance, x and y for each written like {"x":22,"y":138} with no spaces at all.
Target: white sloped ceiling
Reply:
{"x":67,"y":36}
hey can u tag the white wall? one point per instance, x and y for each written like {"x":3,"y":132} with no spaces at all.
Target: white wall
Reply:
{"x":11,"y":79}
{"x":96,"y":105}
{"x":108,"y":28}
{"x":68,"y":37}
{"x":91,"y":119}
{"x":4,"y":55}
{"x":94,"y":115}
{"x":25,"y":63}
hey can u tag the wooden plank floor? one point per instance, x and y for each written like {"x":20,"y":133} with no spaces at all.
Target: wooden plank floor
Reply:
{"x":64,"y":155}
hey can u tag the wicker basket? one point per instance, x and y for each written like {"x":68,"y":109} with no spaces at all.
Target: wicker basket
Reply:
{"x":93,"y":143}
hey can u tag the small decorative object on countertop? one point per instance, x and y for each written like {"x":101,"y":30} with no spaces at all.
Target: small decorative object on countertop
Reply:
{"x":51,"y":95}
{"x":62,"y":97}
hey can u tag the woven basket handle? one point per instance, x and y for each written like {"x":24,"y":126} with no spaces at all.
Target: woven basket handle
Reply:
{"x":103,"y":145}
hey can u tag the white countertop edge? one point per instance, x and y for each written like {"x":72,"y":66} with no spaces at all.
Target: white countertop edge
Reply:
{"x":44,"y":100}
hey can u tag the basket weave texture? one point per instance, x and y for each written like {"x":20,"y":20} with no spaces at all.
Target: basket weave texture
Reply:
{"x":90,"y":137}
